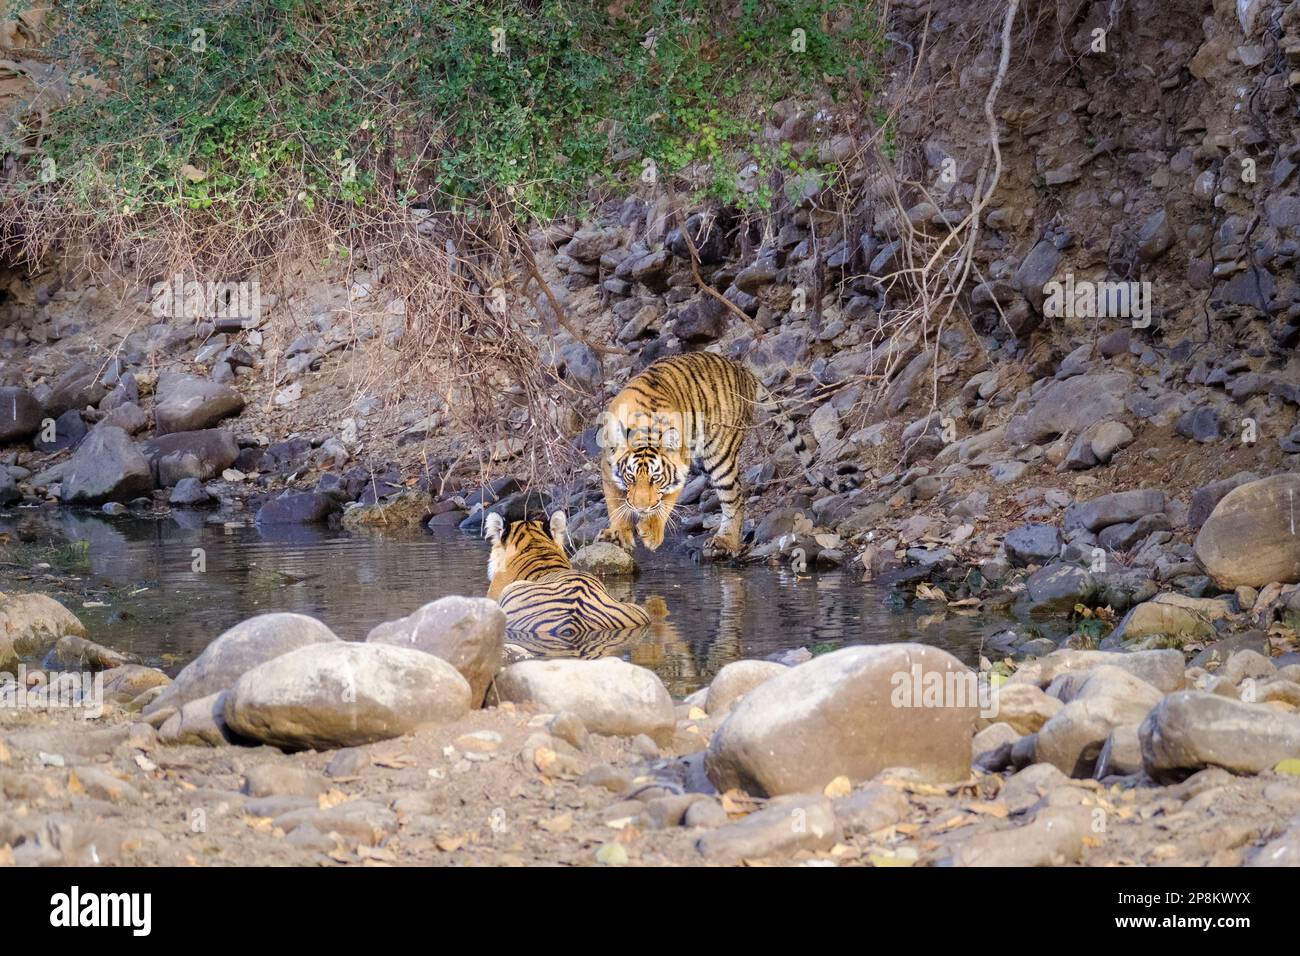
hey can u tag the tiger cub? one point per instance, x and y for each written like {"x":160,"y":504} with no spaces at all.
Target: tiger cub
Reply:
{"x":683,"y":408}
{"x":530,"y":576}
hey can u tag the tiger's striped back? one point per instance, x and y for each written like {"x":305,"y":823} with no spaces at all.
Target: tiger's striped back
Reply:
{"x":567,"y":604}
{"x":540,"y":592}
{"x":712,"y":395}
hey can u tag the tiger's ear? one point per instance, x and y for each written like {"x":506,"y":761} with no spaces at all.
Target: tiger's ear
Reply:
{"x":672,"y":439}
{"x":493,"y":527}
{"x":559,"y":528}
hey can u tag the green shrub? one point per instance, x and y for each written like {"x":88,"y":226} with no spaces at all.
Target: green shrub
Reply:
{"x":294,"y":105}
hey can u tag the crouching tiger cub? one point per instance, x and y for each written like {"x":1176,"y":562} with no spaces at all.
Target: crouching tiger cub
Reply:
{"x":695,"y":407}
{"x":530,"y":576}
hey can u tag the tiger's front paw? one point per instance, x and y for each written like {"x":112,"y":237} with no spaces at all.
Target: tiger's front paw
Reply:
{"x":619,"y":536}
{"x":651,"y":532}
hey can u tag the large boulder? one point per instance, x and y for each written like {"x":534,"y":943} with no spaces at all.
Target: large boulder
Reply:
{"x":1032,"y":544}
{"x":240,"y":649}
{"x":1251,"y":537}
{"x":31,"y":623}
{"x":1120,"y":507}
{"x":304,"y":507}
{"x":201,"y":454}
{"x":69,"y":428}
{"x":187,"y":403}
{"x":1191,"y":730}
{"x":1207,"y":497}
{"x":77,"y":387}
{"x":468,"y":633}
{"x":609,"y":695}
{"x":342,"y":694}
{"x":852,"y":713}
{"x":1171,"y":615}
{"x":1070,"y":406}
{"x":106,"y":466}
{"x":20,"y":415}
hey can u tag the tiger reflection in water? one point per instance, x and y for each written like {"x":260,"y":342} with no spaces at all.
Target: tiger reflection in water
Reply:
{"x":553,"y":610}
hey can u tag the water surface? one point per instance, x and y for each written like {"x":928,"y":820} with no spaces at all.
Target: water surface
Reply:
{"x":162,"y":588}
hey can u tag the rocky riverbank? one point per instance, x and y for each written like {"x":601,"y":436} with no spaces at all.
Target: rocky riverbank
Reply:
{"x":424,"y":744}
{"x":1104,"y":432}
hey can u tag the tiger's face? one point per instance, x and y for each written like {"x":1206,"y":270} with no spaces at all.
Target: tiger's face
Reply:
{"x":525,"y":551}
{"x":646,"y":476}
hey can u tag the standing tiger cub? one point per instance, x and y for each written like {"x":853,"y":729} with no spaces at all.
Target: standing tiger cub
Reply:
{"x":692,"y":407}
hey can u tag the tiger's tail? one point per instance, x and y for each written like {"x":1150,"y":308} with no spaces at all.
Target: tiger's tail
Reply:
{"x":840,"y":482}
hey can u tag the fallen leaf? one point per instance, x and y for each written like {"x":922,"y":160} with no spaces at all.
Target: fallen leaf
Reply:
{"x":903,"y":856}
{"x":331,"y":799}
{"x":612,"y":854}
{"x":544,"y":758}
{"x":561,"y":824}
{"x":738,"y":803}
{"x":841,"y":786}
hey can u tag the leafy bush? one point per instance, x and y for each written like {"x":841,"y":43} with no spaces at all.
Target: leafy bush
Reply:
{"x":293,"y":105}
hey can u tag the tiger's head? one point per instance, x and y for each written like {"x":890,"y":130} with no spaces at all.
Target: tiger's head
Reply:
{"x":525,"y":550}
{"x":646,"y":475}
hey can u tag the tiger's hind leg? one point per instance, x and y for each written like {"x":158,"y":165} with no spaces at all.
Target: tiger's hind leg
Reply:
{"x":620,"y":517}
{"x":725,"y":479}
{"x":729,"y":540}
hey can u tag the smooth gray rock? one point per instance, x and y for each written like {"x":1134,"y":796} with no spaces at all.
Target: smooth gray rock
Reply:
{"x":20,"y":414}
{"x":853,"y":713}
{"x":1070,"y":406}
{"x":106,"y":466}
{"x":307,"y":507}
{"x":609,"y":695}
{"x":197,"y":454}
{"x":806,"y":823}
{"x":1251,"y":538}
{"x":187,"y":403}
{"x":737,"y":679}
{"x":240,"y":649}
{"x":342,"y":694}
{"x":1032,"y":544}
{"x":1116,"y":508}
{"x":1190,"y":730}
{"x":468,"y":633}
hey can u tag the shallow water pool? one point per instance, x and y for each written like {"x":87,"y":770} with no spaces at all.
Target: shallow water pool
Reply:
{"x":162,"y":588}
